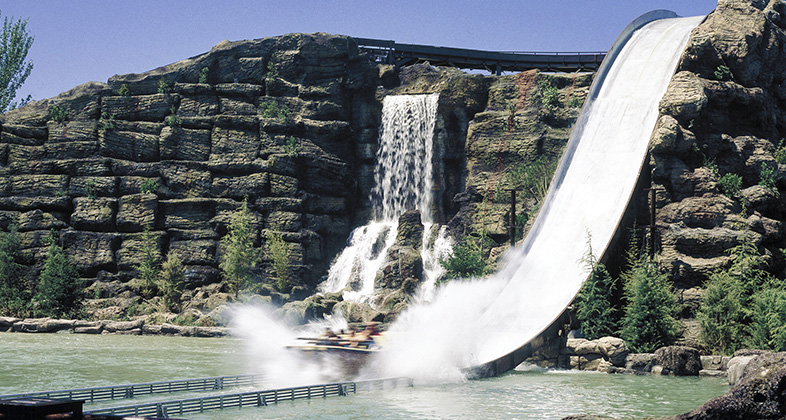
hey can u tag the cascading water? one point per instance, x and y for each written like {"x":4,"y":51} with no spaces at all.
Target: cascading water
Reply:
{"x":403,"y":181}
{"x":472,"y":322}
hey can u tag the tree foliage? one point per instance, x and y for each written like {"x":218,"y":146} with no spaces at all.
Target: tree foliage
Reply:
{"x":721,"y":314}
{"x":60,"y":292}
{"x":649,"y":321}
{"x":239,"y":256}
{"x":14,"y":293}
{"x":149,"y":268}
{"x":171,"y":281}
{"x":15,"y":42}
{"x":594,"y":308}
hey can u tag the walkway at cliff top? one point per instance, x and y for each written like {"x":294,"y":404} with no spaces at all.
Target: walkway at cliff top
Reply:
{"x":391,"y":52}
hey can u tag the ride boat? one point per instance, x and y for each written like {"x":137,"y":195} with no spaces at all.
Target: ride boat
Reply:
{"x":349,"y":352}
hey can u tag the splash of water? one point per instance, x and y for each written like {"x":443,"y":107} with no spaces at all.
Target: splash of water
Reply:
{"x":403,"y":181}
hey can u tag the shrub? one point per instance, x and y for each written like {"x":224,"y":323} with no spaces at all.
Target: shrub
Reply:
{"x":163,"y":86}
{"x":14,"y":294}
{"x":171,"y":281}
{"x":722,"y":72}
{"x":58,"y":114}
{"x":59,"y":293}
{"x":172,"y":119}
{"x":124,"y":90}
{"x":203,"y":73}
{"x":768,"y":321}
{"x":721,"y":314}
{"x":730,"y":185}
{"x":239,"y":256}
{"x":467,"y":259}
{"x":291,"y":146}
{"x":780,"y":152}
{"x":91,"y":187}
{"x":594,"y":308}
{"x":280,"y":253}
{"x":106,"y":122}
{"x":149,"y":267}
{"x":649,"y":321}
{"x":549,"y":95}
{"x":768,"y":175}
{"x":148,"y":186}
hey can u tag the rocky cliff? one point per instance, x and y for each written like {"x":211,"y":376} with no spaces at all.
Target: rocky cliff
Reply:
{"x":717,"y":152}
{"x":285,"y":122}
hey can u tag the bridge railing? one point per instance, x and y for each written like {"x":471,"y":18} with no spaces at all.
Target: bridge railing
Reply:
{"x":114,"y":392}
{"x":249,"y":399}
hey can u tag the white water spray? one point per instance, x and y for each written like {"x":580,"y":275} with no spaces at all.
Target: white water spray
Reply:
{"x":403,"y":181}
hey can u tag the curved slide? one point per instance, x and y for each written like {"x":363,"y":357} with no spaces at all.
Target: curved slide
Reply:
{"x":483,"y":323}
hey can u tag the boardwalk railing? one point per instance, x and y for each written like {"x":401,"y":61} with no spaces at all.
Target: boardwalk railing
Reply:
{"x":249,"y":399}
{"x":114,"y":392}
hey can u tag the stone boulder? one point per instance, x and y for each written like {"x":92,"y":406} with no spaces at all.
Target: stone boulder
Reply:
{"x":679,"y":360}
{"x":404,"y":268}
{"x":758,"y":394}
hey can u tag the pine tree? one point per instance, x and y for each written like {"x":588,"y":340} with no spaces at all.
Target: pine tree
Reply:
{"x":171,"y":281}
{"x":594,"y":308}
{"x":14,"y":294}
{"x":15,"y":42}
{"x":721,"y":314}
{"x":768,"y":323}
{"x":60,"y":292}
{"x":649,"y":316}
{"x":239,"y":255}
{"x":149,"y":268}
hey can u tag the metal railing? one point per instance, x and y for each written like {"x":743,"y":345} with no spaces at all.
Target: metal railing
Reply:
{"x":249,"y":399}
{"x":115,"y":392}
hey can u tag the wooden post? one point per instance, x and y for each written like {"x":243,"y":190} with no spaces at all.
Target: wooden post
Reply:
{"x":512,"y":228}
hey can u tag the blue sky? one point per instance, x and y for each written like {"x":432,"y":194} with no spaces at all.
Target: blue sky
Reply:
{"x":84,"y":40}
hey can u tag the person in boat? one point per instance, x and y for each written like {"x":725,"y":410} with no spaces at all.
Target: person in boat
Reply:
{"x":327,"y":337}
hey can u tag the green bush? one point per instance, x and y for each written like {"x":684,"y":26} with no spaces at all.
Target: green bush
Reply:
{"x":14,"y":293}
{"x":649,"y":321}
{"x":239,"y":256}
{"x":203,"y":73}
{"x":291,"y":146}
{"x":106,"y":122}
{"x":148,"y":186}
{"x":721,"y":314}
{"x":722,"y":72}
{"x":60,"y":292}
{"x":768,"y":320}
{"x":280,"y":254}
{"x":594,"y":308}
{"x":124,"y":90}
{"x":780,"y":152}
{"x":149,"y":267}
{"x":730,"y":185}
{"x":549,"y":95}
{"x":467,"y":260}
{"x":172,"y":119}
{"x":164,"y":87}
{"x":58,"y":114}
{"x":768,"y":175}
{"x":91,"y":188}
{"x":171,"y":281}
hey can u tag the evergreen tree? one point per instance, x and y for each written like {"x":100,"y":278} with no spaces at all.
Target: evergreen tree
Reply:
{"x":149,"y":267}
{"x":59,"y":293}
{"x":172,"y":281}
{"x":594,"y":308}
{"x":239,"y":255}
{"x":721,"y":314}
{"x":649,"y":316}
{"x":768,"y":321}
{"x":14,"y":294}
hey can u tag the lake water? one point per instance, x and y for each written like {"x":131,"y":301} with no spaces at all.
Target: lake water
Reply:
{"x":39,"y":362}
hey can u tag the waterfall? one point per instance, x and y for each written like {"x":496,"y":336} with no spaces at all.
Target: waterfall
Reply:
{"x":403,"y":179}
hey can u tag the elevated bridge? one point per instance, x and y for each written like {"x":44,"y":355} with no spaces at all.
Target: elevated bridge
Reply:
{"x":391,"y":52}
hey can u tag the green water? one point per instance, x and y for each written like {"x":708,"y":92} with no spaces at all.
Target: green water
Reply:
{"x":37,"y":362}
